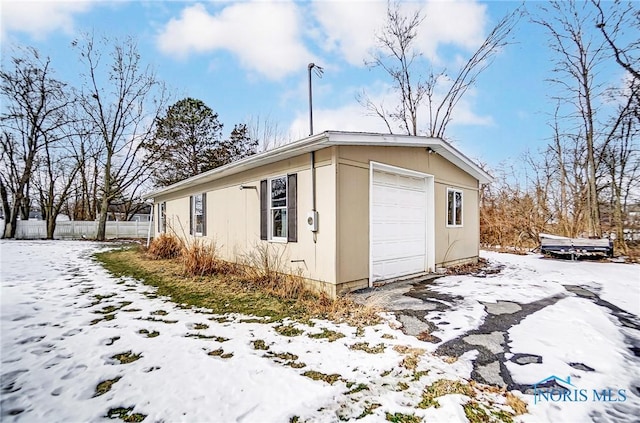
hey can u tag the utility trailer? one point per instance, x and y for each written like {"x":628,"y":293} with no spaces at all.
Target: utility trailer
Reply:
{"x":575,"y":248}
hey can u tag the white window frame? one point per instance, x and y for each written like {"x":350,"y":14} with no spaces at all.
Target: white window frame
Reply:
{"x":194,"y":218}
{"x":455,"y":213}
{"x":284,"y":208}
{"x":162,"y":217}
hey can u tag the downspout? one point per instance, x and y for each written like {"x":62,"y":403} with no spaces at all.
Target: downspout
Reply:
{"x":313,"y":153}
{"x":153,"y":207}
{"x":313,"y":189}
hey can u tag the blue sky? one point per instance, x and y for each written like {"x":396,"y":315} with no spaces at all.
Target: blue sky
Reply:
{"x":248,"y":60}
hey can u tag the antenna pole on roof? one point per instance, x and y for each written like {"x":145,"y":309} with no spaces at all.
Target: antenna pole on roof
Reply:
{"x":318,"y":71}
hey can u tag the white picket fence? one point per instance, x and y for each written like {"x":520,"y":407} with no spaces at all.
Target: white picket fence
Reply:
{"x":37,"y":229}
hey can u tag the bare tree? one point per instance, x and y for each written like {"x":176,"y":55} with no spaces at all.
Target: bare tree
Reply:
{"x":621,"y":158}
{"x":83,"y":203}
{"x":578,"y":57}
{"x":32,"y":120}
{"x":267,"y":132}
{"x":53,"y":180}
{"x":613,"y":24}
{"x":398,"y":57}
{"x":121,"y":98}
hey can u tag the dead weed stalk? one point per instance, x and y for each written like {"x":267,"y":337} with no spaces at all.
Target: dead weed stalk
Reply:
{"x":200,"y":258}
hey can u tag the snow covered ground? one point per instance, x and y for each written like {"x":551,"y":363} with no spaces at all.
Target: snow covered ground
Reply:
{"x":65,"y":319}
{"x":65,"y":323}
{"x":575,"y":336}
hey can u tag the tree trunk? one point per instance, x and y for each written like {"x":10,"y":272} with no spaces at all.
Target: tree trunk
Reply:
{"x":102,"y":219}
{"x":9,"y":226}
{"x":593,"y":207}
{"x":51,"y":225}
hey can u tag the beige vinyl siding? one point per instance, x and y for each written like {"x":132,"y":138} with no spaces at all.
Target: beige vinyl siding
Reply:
{"x":451,"y":244}
{"x":454,"y":244}
{"x":353,"y":222}
{"x":233,"y":215}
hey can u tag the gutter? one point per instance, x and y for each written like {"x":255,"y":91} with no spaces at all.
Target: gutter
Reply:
{"x":327,"y":139}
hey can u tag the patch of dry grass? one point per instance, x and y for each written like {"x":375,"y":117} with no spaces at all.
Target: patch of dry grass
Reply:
{"x":327,"y":334}
{"x":364,"y":346}
{"x":411,"y":356}
{"x":200,"y":258}
{"x":200,"y":279}
{"x":220,"y":353}
{"x":519,"y":406}
{"x":315,"y":375}
{"x":443,"y":387}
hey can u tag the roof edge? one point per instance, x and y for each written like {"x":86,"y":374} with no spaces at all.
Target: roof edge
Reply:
{"x":327,"y":139}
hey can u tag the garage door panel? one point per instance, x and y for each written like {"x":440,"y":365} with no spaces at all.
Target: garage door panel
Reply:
{"x":398,"y":225}
{"x":400,"y":231}
{"x":381,"y":270}
{"x":398,"y":248}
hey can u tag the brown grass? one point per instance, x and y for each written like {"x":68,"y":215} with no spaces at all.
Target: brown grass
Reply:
{"x":200,"y":278}
{"x":200,"y":258}
{"x":411,"y":356}
{"x":519,"y":406}
{"x":164,"y":247}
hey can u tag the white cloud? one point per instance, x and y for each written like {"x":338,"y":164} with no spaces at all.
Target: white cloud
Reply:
{"x":349,"y":117}
{"x":457,"y":23}
{"x":266,"y":37}
{"x":39,"y":18}
{"x":352,"y":116}
{"x":350,"y":27}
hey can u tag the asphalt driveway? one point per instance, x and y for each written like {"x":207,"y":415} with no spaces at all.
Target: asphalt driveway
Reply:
{"x":484,"y":311}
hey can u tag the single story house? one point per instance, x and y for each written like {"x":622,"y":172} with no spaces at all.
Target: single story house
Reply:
{"x":343,"y":209}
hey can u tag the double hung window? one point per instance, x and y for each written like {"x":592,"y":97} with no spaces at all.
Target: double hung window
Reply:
{"x":162,"y":217}
{"x":454,"y":207}
{"x":198,"y":218}
{"x":278,"y":209}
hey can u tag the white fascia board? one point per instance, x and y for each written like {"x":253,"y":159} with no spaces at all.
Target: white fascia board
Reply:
{"x":328,"y":139}
{"x":438,"y":145}
{"x":452,"y":154}
{"x":305,"y":145}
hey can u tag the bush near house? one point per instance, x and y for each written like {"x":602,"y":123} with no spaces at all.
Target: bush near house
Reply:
{"x":164,"y":246}
{"x":198,"y":277}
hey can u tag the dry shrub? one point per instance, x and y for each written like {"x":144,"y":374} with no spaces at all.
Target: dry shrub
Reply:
{"x":265,"y":268}
{"x":164,"y":247}
{"x":200,"y":258}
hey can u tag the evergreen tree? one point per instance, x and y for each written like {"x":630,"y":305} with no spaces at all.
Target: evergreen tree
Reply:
{"x":188,"y":141}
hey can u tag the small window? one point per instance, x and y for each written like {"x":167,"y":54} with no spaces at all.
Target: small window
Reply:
{"x":278,"y":208}
{"x":198,"y":223}
{"x":454,"y":207}
{"x":162,"y":217}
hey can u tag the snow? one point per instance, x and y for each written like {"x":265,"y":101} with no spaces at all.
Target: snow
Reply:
{"x":537,"y":277}
{"x":575,"y":330}
{"x":54,"y":354}
{"x":55,"y":350}
{"x":528,"y":278}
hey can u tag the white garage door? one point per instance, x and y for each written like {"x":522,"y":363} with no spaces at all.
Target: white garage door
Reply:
{"x":398,"y":225}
